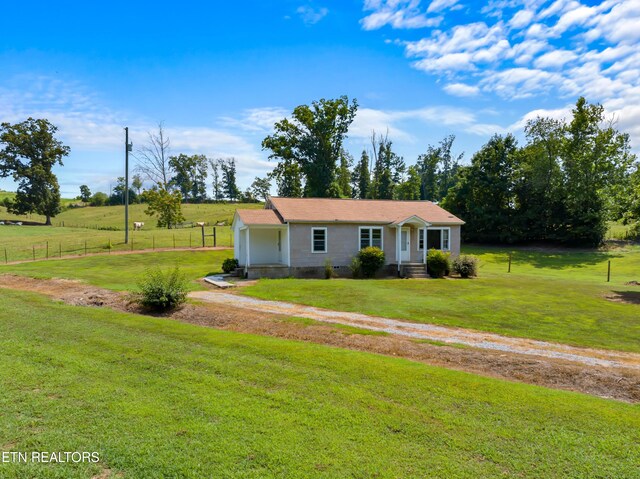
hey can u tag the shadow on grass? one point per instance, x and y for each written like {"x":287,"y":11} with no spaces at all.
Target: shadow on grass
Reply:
{"x":631,"y":297}
{"x":566,"y":260}
{"x":545,"y":256}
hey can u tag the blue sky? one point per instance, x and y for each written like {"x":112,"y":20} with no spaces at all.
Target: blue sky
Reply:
{"x":219,"y":74}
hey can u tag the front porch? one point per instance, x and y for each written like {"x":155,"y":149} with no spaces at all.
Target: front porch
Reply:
{"x":261,"y":249}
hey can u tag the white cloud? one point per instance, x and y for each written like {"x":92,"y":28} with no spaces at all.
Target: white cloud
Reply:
{"x":524,"y":48}
{"x":397,"y":122}
{"x":521,"y":19}
{"x":439,"y":5}
{"x":311,"y":15}
{"x":259,"y":120}
{"x":93,"y":130}
{"x":555,"y":59}
{"x":399,"y":14}
{"x":461,"y":89}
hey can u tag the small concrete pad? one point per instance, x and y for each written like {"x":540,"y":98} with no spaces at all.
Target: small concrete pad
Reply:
{"x":219,"y":282}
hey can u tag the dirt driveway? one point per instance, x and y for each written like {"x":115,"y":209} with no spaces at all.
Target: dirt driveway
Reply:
{"x":606,"y":374}
{"x":420,"y":331}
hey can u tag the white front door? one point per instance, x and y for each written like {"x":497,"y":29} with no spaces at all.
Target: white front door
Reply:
{"x":405,"y":245}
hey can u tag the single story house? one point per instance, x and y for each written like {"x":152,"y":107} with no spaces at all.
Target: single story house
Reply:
{"x":296,"y":236}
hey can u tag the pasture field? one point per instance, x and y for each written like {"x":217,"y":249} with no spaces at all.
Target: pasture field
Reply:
{"x":27,"y":242}
{"x":122,"y":272}
{"x":112,"y":217}
{"x":160,"y":398}
{"x":561,"y":297}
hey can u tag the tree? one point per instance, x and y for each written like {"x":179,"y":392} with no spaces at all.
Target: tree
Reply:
{"x":229,"y":186}
{"x":539,"y":187}
{"x":85,"y":194}
{"x":29,"y":153}
{"x":595,"y":157}
{"x":410,"y":188}
{"x":388,"y":168}
{"x":98,"y":199}
{"x":484,"y":194}
{"x":136,"y":184}
{"x":313,"y":139}
{"x":165,"y":205}
{"x":361,"y":178}
{"x":117,"y":195}
{"x":261,"y":188}
{"x":343,"y":179}
{"x":288,"y":178}
{"x":190,"y":176}
{"x":438,"y":168}
{"x":153,"y":159}
{"x":218,"y":195}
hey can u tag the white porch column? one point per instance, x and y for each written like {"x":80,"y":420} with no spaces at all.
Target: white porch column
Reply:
{"x":424,"y":247}
{"x":288,"y":246}
{"x":398,"y":246}
{"x":248,"y":248}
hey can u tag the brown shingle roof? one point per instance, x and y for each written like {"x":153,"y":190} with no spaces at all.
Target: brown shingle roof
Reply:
{"x":259,"y":217}
{"x":327,"y":210}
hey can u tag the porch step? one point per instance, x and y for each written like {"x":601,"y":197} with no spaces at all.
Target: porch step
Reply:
{"x":238,"y":272}
{"x":414,"y":271}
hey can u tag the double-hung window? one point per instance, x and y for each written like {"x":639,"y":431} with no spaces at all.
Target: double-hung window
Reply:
{"x":370,"y":236}
{"x":437,"y":238}
{"x":318,"y":240}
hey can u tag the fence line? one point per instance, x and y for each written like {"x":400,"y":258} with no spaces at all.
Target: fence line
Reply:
{"x":159,"y":239}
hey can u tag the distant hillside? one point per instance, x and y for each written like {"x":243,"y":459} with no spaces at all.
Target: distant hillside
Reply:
{"x":113,"y":216}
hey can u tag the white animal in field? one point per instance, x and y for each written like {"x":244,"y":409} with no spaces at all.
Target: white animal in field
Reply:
{"x":19,"y":223}
{"x":137,"y":225}
{"x":1,"y":223}
{"x":200,"y":223}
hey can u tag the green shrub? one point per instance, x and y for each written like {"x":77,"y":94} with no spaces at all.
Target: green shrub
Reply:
{"x":356,"y":267}
{"x":466,"y":265}
{"x":371,"y":260}
{"x":230,"y":264}
{"x":328,"y":270}
{"x":162,"y":290}
{"x":437,"y":263}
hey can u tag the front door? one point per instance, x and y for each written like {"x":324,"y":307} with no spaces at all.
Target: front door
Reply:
{"x":405,"y":245}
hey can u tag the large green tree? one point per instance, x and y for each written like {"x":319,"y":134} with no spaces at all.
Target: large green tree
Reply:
{"x":595,"y":157}
{"x":313,"y":139}
{"x":361,"y":177}
{"x":484,"y":195}
{"x":190,"y":176}
{"x":29,"y":153}
{"x":438,"y":168}
{"x":388,"y":168}
{"x":539,"y":186}
{"x":165,"y":205}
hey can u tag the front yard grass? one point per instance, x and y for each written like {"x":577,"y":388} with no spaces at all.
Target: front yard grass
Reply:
{"x":548,"y":296}
{"x":122,"y":272}
{"x":159,"y":398}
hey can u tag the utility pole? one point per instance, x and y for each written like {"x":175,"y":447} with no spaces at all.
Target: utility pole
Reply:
{"x":127,"y":148}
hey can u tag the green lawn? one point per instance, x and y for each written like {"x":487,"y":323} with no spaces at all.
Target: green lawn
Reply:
{"x":159,"y":398}
{"x":121,"y":272}
{"x":113,"y":216}
{"x":554,"y":297}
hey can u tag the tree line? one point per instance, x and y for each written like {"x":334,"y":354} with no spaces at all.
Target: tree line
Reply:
{"x":563,"y":185}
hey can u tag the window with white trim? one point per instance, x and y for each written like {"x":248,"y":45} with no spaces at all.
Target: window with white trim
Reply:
{"x":370,"y":236}
{"x":437,"y":238}
{"x":318,"y":240}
